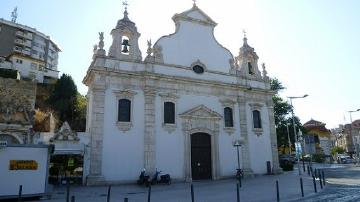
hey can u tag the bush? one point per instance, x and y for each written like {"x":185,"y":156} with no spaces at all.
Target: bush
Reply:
{"x":318,"y":158}
{"x":286,"y":165}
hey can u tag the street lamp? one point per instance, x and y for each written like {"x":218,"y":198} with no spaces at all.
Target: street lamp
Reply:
{"x":293,"y":120}
{"x":287,"y":128}
{"x":352,"y":138}
{"x":237,"y":144}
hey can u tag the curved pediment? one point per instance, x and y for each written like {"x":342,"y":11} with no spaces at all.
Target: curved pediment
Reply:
{"x":194,"y":40}
{"x":201,"y":111}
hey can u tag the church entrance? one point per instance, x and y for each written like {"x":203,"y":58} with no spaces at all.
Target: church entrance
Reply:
{"x":200,"y":156}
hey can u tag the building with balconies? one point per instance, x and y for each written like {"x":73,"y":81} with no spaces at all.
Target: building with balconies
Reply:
{"x":31,"y":52}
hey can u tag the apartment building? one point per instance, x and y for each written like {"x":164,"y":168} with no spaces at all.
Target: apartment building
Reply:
{"x":31,"y":52}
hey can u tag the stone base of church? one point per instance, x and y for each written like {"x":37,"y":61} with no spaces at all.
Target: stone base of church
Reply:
{"x":94,"y":180}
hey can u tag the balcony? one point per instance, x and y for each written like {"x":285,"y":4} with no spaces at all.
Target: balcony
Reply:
{"x":23,"y":42}
{"x":26,"y":52}
{"x":18,"y":49}
{"x":20,"y":33}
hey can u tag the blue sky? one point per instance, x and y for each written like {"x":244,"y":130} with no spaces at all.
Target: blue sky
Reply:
{"x":311,"y":46}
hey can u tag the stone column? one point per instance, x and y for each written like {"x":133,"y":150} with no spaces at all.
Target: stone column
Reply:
{"x":273,"y":139}
{"x":96,"y":131}
{"x":149,"y":133}
{"x":245,"y":150}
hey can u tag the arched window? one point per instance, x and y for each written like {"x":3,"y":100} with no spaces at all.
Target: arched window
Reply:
{"x":256,"y":119}
{"x":228,"y":114}
{"x":124,"y":110}
{"x":169,"y":112}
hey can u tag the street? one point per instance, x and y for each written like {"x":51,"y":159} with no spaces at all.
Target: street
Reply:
{"x":343,"y":184}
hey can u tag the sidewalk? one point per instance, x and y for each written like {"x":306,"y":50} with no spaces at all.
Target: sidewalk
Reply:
{"x":259,"y":188}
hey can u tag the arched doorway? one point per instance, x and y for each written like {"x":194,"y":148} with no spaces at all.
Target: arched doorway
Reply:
{"x":9,"y":139}
{"x":201,"y":156}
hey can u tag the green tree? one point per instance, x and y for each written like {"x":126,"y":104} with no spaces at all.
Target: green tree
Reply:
{"x":68,"y":103}
{"x":337,"y":150}
{"x":283,"y":119}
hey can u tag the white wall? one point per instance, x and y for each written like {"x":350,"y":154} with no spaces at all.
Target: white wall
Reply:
{"x":33,"y":181}
{"x":260,"y":145}
{"x":176,"y":48}
{"x":123,"y":152}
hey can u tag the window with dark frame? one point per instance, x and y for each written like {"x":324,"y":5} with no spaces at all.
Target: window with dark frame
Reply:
{"x":228,"y":117}
{"x":256,"y":119}
{"x":124,"y":110}
{"x":169,"y":112}
{"x":250,"y":68}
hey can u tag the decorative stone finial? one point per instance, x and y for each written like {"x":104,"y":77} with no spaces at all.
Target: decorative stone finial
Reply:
{"x":149,"y":49}
{"x":194,"y":4}
{"x":101,"y":40}
{"x":125,"y":3}
{"x":264,"y":72}
{"x":245,"y":39}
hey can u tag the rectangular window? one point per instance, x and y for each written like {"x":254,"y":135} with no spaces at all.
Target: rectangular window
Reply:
{"x":228,"y":115}
{"x":33,"y":66}
{"x":124,"y":110}
{"x":169,"y":112}
{"x":256,"y":119}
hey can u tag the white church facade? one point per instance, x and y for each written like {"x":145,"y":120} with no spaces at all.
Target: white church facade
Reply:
{"x":181,"y":109}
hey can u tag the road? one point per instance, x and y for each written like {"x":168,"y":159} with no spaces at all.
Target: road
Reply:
{"x":343,"y":186}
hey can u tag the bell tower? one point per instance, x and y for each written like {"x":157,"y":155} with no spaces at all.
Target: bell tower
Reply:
{"x":125,"y":40}
{"x":247,"y":61}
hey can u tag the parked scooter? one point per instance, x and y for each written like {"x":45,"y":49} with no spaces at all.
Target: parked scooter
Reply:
{"x":165,"y":179}
{"x":143,"y":178}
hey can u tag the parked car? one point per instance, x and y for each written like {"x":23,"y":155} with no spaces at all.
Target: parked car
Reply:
{"x":345,"y":159}
{"x":287,"y":157}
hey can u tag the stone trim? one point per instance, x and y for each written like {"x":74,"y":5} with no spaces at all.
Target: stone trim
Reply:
{"x":245,"y":150}
{"x":196,"y":124}
{"x":273,"y":139}
{"x":169,"y":97}
{"x":96,"y":135}
{"x":231,"y":104}
{"x":129,"y":95}
{"x":149,"y":130}
{"x":256,"y":106}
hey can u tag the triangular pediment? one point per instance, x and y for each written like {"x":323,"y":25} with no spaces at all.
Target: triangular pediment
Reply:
{"x":195,"y":14}
{"x":200,"y":111}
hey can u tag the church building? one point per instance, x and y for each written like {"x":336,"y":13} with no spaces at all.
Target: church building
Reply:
{"x":180,"y":109}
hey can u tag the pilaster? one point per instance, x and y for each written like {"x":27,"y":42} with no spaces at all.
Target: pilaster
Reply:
{"x":245,"y":150}
{"x":149,"y":133}
{"x":96,"y":134}
{"x":273,"y":139}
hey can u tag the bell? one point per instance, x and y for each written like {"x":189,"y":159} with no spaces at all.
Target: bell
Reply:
{"x":125,"y":49}
{"x":125,"y":42}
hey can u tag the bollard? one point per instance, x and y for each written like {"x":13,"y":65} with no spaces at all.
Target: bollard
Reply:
{"x":240,"y":181}
{"x":301,"y":187}
{"x":315,"y":172}
{"x":67,"y":190}
{"x":323,"y":175}
{"x":320,"y":181}
{"x":303,"y":165}
{"x":126,"y":200}
{"x":311,"y":170}
{"x":237,"y":193}
{"x":314,"y":184}
{"x":72,"y":198}
{"x":149,"y":193}
{"x":277,"y":191}
{"x":108,"y":194}
{"x":20,"y":193}
{"x":192,"y":193}
{"x":318,"y":173}
{"x":308,"y":170}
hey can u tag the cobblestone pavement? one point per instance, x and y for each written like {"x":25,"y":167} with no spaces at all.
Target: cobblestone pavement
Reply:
{"x":343,"y":185}
{"x":256,"y":189}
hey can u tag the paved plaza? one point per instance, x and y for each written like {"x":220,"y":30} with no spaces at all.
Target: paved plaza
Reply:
{"x":259,"y":188}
